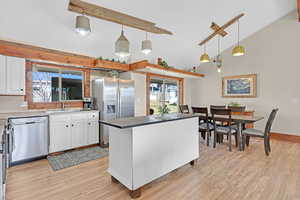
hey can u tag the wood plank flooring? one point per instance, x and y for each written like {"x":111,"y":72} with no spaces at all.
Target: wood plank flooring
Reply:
{"x":217,"y":175}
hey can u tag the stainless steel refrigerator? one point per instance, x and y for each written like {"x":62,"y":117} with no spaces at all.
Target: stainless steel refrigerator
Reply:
{"x":114,"y":98}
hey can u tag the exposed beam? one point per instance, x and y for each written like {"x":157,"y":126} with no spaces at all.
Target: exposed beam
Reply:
{"x":33,"y":52}
{"x":216,"y":27}
{"x":222,"y":28}
{"x":100,"y":12}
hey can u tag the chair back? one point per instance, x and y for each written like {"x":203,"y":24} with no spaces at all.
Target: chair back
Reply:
{"x":201,"y":110}
{"x":237,"y":108}
{"x":217,"y":107}
{"x":270,"y":122}
{"x":218,"y":115}
{"x":184,"y":109}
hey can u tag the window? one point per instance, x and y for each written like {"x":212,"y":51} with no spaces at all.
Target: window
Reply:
{"x":52,"y":85}
{"x":164,"y":91}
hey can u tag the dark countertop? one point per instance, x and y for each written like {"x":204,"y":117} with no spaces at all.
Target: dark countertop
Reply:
{"x":131,"y":122}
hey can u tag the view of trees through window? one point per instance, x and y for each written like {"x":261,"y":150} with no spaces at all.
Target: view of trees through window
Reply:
{"x":164,"y":92}
{"x":50,"y":85}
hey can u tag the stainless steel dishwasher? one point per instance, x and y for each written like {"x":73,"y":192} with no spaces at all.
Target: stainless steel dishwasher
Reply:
{"x":28,"y":139}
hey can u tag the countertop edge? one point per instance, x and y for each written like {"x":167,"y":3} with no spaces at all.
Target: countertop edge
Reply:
{"x":144,"y":124}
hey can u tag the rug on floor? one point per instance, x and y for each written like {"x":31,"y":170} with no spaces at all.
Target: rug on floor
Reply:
{"x":75,"y":157}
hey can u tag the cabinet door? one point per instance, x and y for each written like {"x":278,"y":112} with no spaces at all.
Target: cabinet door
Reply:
{"x":60,"y":137}
{"x":15,"y":73}
{"x":93,"y":132}
{"x":2,"y":74}
{"x":79,"y":132}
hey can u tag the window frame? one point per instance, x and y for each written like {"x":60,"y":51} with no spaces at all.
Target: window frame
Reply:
{"x":60,"y":71}
{"x":149,"y":76}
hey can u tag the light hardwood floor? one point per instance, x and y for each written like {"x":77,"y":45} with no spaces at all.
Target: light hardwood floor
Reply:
{"x":218,"y":174}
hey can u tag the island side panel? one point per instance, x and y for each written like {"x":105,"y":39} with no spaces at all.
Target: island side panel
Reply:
{"x":161,"y":148}
{"x":120,"y":155}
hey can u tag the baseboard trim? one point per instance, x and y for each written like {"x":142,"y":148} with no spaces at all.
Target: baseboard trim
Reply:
{"x":285,"y":137}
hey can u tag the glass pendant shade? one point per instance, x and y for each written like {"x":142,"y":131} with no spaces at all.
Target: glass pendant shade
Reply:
{"x":219,"y":70}
{"x":204,"y":58}
{"x":238,"y":51}
{"x":83,"y":25}
{"x":146,"y":46}
{"x":122,"y":46}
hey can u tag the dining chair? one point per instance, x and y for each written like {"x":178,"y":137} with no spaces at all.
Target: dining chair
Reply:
{"x":223,"y":116}
{"x":184,"y":109}
{"x":217,"y":107}
{"x":251,"y":132}
{"x":205,"y":127}
{"x":237,"y":108}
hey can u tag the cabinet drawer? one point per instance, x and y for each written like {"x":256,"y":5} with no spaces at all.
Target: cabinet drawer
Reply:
{"x":78,"y":116}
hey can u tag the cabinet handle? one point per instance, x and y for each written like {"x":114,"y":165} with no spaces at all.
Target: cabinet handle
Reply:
{"x":72,"y":125}
{"x":67,"y":126}
{"x":89,"y":123}
{"x":21,"y":90}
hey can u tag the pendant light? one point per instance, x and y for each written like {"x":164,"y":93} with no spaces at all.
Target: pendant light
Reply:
{"x":122,"y":46}
{"x":83,"y":25}
{"x":146,"y":45}
{"x":238,"y":50}
{"x":204,"y":57}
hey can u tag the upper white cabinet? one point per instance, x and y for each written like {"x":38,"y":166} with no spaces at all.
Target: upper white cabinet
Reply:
{"x":12,"y":75}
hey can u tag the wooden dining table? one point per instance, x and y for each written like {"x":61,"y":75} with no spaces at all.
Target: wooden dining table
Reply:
{"x":240,"y":120}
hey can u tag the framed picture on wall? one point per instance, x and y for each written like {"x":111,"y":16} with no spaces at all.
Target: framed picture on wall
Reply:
{"x":239,"y":86}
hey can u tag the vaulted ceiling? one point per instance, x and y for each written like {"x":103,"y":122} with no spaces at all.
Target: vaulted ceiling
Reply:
{"x":49,"y":24}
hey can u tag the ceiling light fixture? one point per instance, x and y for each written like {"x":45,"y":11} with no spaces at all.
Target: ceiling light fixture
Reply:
{"x":238,"y":50}
{"x":122,"y":46}
{"x":83,"y":25}
{"x":204,"y":57}
{"x":146,"y":45}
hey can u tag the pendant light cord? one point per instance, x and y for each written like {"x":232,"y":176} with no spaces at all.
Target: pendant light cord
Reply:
{"x":218,"y":45}
{"x":204,"y":47}
{"x":238,"y":32}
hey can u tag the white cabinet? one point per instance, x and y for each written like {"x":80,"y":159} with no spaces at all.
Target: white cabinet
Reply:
{"x":93,"y":132}
{"x":12,"y":75}
{"x":60,"y":136}
{"x":2,"y":74}
{"x":72,"y":130}
{"x":15,"y":79}
{"x":79,"y":134}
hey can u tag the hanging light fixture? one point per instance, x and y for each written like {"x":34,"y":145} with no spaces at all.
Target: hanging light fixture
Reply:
{"x":238,"y":50}
{"x":122,"y":46}
{"x":146,"y":45}
{"x":83,"y":26}
{"x":204,"y":57}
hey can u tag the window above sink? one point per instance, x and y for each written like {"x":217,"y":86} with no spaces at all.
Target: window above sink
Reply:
{"x":55,"y":84}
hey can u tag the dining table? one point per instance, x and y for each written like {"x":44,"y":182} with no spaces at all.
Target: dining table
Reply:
{"x":239,"y":120}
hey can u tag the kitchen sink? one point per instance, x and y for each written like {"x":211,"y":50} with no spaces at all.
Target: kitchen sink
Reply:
{"x":63,"y":111}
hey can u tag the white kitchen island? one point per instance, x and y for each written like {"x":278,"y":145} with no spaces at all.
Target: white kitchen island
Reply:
{"x":142,"y":149}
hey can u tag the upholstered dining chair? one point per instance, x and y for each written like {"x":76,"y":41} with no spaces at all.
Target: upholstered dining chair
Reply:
{"x":251,"y":132}
{"x":237,"y":108}
{"x":223,"y":116}
{"x":205,"y":127}
{"x":217,"y":107}
{"x":184,"y":109}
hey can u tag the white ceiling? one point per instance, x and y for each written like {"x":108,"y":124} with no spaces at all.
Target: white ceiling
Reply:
{"x":48,"y":23}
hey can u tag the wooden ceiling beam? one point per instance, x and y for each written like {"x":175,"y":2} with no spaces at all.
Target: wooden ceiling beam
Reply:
{"x":222,"y":28}
{"x":216,"y":27}
{"x":33,"y":52}
{"x":99,"y":12}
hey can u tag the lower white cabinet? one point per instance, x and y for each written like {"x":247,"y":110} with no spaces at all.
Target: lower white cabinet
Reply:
{"x":71,"y":130}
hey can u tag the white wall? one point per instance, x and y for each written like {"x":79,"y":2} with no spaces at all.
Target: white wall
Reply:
{"x":273,"y":54}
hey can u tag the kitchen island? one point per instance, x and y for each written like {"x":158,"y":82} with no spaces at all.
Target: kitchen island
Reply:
{"x":142,"y":149}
